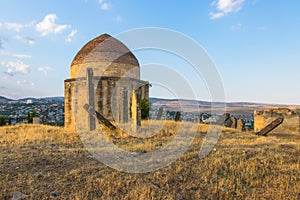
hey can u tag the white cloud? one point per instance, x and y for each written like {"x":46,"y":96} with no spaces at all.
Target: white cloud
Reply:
{"x":25,"y":83}
{"x":224,"y":7}
{"x":14,"y":26}
{"x":228,"y":6}
{"x":17,"y":27}
{"x":216,"y":15}
{"x":21,"y":56}
{"x":45,"y":69}
{"x":7,"y":53}
{"x":48,"y":25}
{"x":104,"y":5}
{"x":26,"y":40}
{"x":17,"y":67}
{"x":71,"y":35}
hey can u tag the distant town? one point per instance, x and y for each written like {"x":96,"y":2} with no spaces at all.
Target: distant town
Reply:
{"x":50,"y":111}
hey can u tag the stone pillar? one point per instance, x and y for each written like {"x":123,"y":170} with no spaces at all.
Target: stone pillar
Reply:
{"x":145,"y":93}
{"x":104,"y":97}
{"x":134,"y":110}
{"x":90,"y":98}
{"x":138,"y":109}
{"x":124,"y":106}
{"x":68,"y":104}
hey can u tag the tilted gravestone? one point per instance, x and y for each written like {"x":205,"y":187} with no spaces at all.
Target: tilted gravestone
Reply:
{"x":270,"y":127}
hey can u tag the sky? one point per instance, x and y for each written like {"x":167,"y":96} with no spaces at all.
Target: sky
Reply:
{"x":254,"y":44}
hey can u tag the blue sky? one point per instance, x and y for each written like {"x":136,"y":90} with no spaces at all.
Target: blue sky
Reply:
{"x":254,"y":44}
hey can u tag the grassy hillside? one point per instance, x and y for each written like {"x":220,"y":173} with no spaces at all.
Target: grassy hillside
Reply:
{"x":49,"y":163}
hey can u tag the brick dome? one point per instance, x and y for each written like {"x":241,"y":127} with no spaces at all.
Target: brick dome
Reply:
{"x":108,"y":57}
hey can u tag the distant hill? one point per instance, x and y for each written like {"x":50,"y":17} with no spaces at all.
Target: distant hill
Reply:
{"x":54,"y":98}
{"x":207,"y":104}
{"x":4,"y":99}
{"x":237,"y":108}
{"x":26,"y":99}
{"x":43,"y":99}
{"x":184,"y":104}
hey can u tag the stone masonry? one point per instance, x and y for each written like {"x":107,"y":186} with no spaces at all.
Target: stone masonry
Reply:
{"x":106,"y":76}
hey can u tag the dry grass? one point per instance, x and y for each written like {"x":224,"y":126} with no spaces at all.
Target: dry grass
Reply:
{"x":49,"y":163}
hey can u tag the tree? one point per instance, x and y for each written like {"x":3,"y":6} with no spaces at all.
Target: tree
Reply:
{"x":145,"y":108}
{"x":2,"y":121}
{"x":33,"y":113}
{"x":30,"y":116}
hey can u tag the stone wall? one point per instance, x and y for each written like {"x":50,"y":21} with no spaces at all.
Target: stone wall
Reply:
{"x":291,"y":121}
{"x":106,"y":69}
{"x":69,"y":90}
{"x":108,"y":97}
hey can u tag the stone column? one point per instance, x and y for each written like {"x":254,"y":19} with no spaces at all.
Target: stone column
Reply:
{"x":134,"y":109}
{"x":138,"y":109}
{"x":90,"y":98}
{"x":124,"y":106}
{"x":68,"y":104}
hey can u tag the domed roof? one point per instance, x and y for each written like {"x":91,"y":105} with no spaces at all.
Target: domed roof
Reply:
{"x":105,"y":48}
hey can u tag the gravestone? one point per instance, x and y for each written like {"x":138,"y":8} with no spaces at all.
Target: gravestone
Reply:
{"x":234,"y":122}
{"x":159,"y":114}
{"x":178,"y":116}
{"x":222,"y":121}
{"x":241,"y":125}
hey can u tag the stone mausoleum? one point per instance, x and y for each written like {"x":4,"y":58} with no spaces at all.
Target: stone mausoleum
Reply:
{"x":106,"y":76}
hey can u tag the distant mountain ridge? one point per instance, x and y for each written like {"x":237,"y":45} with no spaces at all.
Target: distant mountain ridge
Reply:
{"x":216,"y":104}
{"x":7,"y":100}
{"x":4,"y":99}
{"x":171,"y":102}
{"x":235,"y":108}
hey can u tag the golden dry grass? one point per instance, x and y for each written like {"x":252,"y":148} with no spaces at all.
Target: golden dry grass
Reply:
{"x":49,"y":163}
